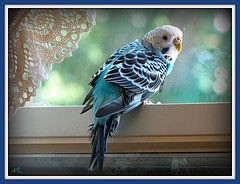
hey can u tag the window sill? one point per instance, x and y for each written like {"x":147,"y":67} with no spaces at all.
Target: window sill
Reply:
{"x":154,"y":128}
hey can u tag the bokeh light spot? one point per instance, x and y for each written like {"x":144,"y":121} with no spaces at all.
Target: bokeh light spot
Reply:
{"x":204,"y":56}
{"x":139,"y":20}
{"x":219,"y":86}
{"x":205,"y":83}
{"x":212,"y":40}
{"x":161,"y":20}
{"x":221,"y":23}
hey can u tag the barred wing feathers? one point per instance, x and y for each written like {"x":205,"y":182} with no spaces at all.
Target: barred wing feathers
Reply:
{"x":138,"y":71}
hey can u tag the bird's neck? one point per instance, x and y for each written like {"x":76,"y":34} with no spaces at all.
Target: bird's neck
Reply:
{"x":145,"y":43}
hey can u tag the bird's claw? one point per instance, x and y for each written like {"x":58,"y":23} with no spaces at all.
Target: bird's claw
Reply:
{"x":144,"y":103}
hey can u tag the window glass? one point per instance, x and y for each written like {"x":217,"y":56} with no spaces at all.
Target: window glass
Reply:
{"x":202,"y":72}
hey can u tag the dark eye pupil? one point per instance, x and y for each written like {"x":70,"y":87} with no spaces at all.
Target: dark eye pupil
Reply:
{"x":165,"y":37}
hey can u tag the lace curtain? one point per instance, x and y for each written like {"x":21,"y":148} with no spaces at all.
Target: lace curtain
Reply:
{"x":38,"y":38}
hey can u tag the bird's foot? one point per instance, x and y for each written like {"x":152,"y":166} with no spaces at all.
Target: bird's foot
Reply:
{"x":144,"y":103}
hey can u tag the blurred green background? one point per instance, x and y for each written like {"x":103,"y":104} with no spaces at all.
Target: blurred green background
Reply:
{"x":202,"y":72}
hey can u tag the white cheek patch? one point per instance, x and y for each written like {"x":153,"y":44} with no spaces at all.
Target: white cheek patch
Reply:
{"x":171,"y":54}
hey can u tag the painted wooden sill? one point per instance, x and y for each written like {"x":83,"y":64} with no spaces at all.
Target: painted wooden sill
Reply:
{"x":154,"y":128}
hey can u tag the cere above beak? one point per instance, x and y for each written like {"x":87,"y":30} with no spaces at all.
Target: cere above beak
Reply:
{"x":178,"y":43}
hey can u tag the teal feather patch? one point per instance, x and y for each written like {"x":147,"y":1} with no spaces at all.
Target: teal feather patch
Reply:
{"x":104,"y":92}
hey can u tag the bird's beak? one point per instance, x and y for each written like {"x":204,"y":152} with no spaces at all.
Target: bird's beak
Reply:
{"x":177,"y":42}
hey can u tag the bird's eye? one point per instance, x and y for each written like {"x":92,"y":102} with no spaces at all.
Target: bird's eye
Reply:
{"x":165,"y":37}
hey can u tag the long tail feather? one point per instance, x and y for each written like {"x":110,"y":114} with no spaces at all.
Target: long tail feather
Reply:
{"x":98,"y":149}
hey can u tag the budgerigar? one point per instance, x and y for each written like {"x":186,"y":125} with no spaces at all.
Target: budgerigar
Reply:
{"x":126,"y":80}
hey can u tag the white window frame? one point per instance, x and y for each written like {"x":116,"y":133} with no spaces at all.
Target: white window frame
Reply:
{"x":154,"y":128}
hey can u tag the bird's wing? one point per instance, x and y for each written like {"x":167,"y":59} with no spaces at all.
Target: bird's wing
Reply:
{"x":138,"y":71}
{"x":120,"y":105}
{"x":118,"y":53}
